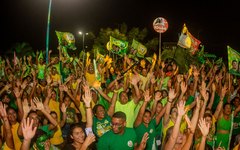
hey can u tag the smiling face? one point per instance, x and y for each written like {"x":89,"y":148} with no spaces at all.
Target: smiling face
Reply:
{"x":146,"y":117}
{"x":12,"y":115}
{"x":78,"y":135}
{"x":100,"y":112}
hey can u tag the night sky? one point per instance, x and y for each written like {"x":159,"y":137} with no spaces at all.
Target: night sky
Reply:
{"x":215,"y":23}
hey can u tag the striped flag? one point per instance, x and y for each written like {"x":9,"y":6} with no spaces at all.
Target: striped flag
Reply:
{"x":187,"y":40}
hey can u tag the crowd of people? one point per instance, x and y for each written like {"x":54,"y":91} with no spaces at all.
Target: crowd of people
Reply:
{"x":117,"y":104}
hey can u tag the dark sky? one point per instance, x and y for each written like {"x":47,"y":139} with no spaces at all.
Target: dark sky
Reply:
{"x":215,"y":23}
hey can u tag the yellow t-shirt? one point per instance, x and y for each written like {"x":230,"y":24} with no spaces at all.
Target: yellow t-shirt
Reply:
{"x":54,"y":106}
{"x":90,"y":78}
{"x":236,"y":147}
{"x":57,"y":137}
{"x":5,"y":147}
{"x":16,"y":139}
{"x":183,"y":126}
{"x":56,"y":78}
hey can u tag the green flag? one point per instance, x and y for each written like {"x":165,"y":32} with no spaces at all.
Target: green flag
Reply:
{"x":233,"y":61}
{"x":66,"y":39}
{"x":140,"y":48}
{"x":117,"y":46}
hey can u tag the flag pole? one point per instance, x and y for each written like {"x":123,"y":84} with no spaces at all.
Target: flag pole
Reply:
{"x":159,"y":57}
{"x":48,"y":29}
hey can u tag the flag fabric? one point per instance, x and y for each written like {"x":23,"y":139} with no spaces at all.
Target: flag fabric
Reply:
{"x":117,"y":46}
{"x":66,"y":39}
{"x":141,"y":50}
{"x":187,"y":40}
{"x":233,"y":61}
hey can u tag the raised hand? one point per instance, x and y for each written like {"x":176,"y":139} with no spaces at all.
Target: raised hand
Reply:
{"x":90,"y":139}
{"x":134,"y":80}
{"x":180,"y":108}
{"x":224,"y":90}
{"x":87,"y":97}
{"x":183,"y":86}
{"x":24,"y":85}
{"x":171,"y":94}
{"x":26,"y":108}
{"x":146,"y":95}
{"x":17,"y":92}
{"x":3,"y":112}
{"x":65,"y":88}
{"x":144,"y":141}
{"x":38,"y":103}
{"x":203,"y":126}
{"x":28,"y":130}
{"x":63,"y":108}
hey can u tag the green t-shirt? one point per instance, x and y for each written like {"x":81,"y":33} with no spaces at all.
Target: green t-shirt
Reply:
{"x":41,"y":71}
{"x":151,"y":129}
{"x":104,"y":102}
{"x":112,"y":141}
{"x":128,"y":109}
{"x":101,"y":126}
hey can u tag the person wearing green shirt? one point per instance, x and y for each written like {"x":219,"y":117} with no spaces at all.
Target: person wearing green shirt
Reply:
{"x":144,"y":123}
{"x":120,"y":137}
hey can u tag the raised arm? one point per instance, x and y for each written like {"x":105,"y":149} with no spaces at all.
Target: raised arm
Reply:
{"x":18,"y":95}
{"x":134,"y":81}
{"x":210,"y":104}
{"x":28,"y":133}
{"x":111,"y":108}
{"x":39,"y":106}
{"x":87,"y":98}
{"x":196,"y":77}
{"x":147,"y":98}
{"x":204,"y":127}
{"x":97,"y":86}
{"x":26,"y":110}
{"x":220,"y":104}
{"x":193,"y":125}
{"x":7,"y":127}
{"x":173,"y":138}
{"x":157,"y":98}
{"x":64,"y":115}
{"x":171,"y":96}
{"x":205,"y":96}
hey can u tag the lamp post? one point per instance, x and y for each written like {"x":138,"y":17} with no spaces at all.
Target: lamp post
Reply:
{"x":83,"y":46}
{"x":48,"y":29}
{"x":83,"y":35}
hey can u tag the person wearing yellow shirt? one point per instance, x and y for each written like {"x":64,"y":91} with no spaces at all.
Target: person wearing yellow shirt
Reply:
{"x":57,"y":139}
{"x":55,"y":75}
{"x":90,"y":76}
{"x":51,"y":102}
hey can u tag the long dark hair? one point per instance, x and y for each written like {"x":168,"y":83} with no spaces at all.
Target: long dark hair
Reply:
{"x":74,"y":126}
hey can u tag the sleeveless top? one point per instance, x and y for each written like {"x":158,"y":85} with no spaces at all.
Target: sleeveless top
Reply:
{"x":224,"y":124}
